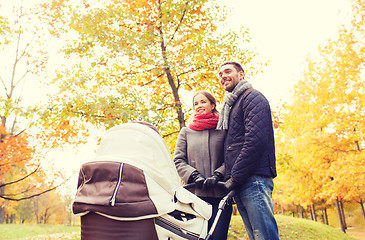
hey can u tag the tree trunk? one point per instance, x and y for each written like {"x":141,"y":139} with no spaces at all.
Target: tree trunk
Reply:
{"x":343,"y":214}
{"x":170,"y":78}
{"x":2,"y":189}
{"x":325,"y":216}
{"x":45,"y":216}
{"x":297,"y":210}
{"x":362,"y":208}
{"x":2,"y":209}
{"x":339,"y":214}
{"x":35,"y":205}
{"x":313,"y":213}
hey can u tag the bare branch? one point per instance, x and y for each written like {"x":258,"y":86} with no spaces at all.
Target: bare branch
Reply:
{"x":26,"y":72}
{"x":17,"y":135}
{"x":180,"y":22}
{"x":169,"y":134}
{"x":145,"y":84}
{"x":20,"y":179}
{"x":37,"y":194}
{"x":6,"y":89}
{"x":13,"y":126}
{"x":192,"y":70}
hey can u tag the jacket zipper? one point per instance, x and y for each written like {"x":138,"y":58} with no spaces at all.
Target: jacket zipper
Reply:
{"x":112,"y":200}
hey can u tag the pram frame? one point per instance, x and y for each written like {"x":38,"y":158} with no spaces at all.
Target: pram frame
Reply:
{"x":222,"y":204}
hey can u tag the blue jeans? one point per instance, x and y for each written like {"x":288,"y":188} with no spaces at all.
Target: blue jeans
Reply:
{"x":254,"y":204}
{"x":221,"y":229}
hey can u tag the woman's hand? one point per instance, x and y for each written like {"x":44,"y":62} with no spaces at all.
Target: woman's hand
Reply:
{"x":197,"y":178}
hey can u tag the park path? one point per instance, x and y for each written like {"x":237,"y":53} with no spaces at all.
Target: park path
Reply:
{"x":356,"y":233}
{"x":63,"y":236}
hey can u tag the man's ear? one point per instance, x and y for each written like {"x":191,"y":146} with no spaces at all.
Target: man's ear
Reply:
{"x":241,"y":75}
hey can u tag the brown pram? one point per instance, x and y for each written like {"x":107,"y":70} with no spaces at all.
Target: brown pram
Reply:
{"x":131,"y":190}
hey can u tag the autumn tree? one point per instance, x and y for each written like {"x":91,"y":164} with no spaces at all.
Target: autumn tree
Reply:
{"x":136,"y":59}
{"x":22,"y":162}
{"x":49,"y":208}
{"x":323,"y":127}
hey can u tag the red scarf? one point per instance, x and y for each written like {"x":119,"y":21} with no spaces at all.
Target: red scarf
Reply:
{"x":204,"y":121}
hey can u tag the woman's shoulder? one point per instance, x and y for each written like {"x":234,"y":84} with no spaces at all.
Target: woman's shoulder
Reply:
{"x":211,"y":132}
{"x":186,"y":130}
{"x":189,"y":130}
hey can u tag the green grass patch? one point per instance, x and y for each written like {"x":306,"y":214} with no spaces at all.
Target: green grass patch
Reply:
{"x":289,"y":228}
{"x":292,"y":228}
{"x":27,"y":231}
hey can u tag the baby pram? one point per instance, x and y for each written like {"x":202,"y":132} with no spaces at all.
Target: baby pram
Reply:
{"x":132,"y":179}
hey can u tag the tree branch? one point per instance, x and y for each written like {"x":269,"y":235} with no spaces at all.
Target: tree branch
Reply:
{"x":6,"y":89}
{"x":180,"y":22}
{"x":37,"y":194}
{"x":20,"y":179}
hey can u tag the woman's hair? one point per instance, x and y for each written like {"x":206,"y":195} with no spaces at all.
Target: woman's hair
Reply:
{"x":211,"y":99}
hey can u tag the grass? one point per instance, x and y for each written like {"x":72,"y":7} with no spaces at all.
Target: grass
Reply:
{"x":292,"y":228}
{"x":289,"y":228}
{"x":37,"y":231}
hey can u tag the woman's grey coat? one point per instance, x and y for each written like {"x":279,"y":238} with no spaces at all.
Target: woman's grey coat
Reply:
{"x":202,"y":151}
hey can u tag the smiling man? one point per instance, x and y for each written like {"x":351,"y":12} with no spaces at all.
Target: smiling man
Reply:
{"x":249,"y":151}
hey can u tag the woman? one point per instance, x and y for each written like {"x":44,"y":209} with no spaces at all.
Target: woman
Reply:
{"x":198,"y":158}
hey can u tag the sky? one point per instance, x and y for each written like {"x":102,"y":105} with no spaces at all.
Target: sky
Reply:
{"x":284,"y":33}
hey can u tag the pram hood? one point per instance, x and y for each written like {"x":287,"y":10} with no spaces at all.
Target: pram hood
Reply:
{"x":137,"y":145}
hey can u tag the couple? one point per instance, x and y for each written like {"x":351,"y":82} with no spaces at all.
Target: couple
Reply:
{"x":238,"y":148}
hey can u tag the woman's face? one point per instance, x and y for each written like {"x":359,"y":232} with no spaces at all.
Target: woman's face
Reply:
{"x":201,"y":104}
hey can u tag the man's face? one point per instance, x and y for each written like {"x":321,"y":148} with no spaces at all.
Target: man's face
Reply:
{"x":229,"y":77}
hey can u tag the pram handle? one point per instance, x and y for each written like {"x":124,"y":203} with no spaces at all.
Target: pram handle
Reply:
{"x":222,"y":204}
{"x":190,"y":185}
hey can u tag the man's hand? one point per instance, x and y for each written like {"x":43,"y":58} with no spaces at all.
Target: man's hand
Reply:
{"x":230,"y":184}
{"x":210,"y":182}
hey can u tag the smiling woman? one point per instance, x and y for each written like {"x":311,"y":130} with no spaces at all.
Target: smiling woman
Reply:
{"x":204,"y":102}
{"x":204,"y":107}
{"x":198,"y":158}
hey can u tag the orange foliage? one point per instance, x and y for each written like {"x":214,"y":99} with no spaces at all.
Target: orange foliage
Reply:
{"x":15,"y":153}
{"x":21,"y":174}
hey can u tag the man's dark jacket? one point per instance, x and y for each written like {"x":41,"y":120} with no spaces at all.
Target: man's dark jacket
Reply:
{"x":249,"y":144}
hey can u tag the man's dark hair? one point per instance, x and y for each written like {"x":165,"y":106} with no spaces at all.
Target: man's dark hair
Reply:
{"x":236,"y":65}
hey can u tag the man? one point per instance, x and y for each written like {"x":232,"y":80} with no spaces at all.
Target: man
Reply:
{"x":249,"y":151}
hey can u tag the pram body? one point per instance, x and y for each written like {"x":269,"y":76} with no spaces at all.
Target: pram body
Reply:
{"x":133,"y":178}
